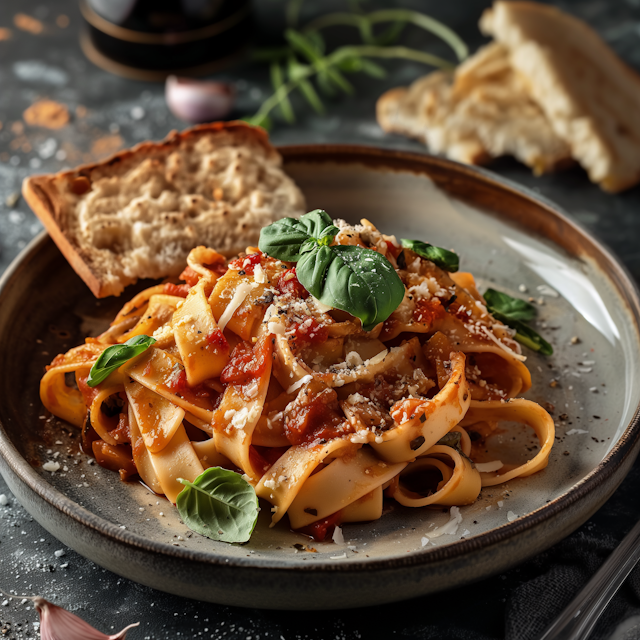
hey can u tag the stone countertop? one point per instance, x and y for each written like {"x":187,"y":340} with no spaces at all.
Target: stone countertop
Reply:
{"x":108,"y":113}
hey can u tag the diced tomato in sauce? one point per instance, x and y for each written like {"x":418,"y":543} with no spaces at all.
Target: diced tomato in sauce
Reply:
{"x":217,"y":340}
{"x":320,"y":529}
{"x":314,"y":415}
{"x":178,"y":381}
{"x":180,"y":290}
{"x":288,"y":283}
{"x":246,"y":264}
{"x":246,"y":362}
{"x":311,"y":331}
{"x":427,"y":311}
{"x":121,"y":434}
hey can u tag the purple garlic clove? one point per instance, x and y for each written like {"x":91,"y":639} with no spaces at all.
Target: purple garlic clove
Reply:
{"x":197,"y":101}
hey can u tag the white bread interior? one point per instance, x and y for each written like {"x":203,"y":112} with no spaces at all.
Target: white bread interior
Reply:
{"x":482,"y":111}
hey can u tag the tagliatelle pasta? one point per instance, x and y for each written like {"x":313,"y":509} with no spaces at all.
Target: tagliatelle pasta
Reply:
{"x":251,"y":373}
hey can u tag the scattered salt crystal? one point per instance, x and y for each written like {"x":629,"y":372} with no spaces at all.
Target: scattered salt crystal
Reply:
{"x":338,"y":538}
{"x":4,"y":501}
{"x":424,"y":541}
{"x":511,"y":516}
{"x":51,"y":466}
{"x":59,"y":553}
{"x":344,"y":555}
{"x":500,"y":504}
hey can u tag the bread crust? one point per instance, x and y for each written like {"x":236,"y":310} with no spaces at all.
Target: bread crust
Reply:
{"x":57,"y":199}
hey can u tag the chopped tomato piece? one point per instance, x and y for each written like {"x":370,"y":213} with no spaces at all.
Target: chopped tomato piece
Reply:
{"x":320,"y":529}
{"x":288,"y":283}
{"x":246,"y":362}
{"x":311,"y":331}
{"x":315,"y":414}
{"x":180,"y":290}
{"x":190,"y":276}
{"x":217,"y":340}
{"x":246,"y":264}
{"x":427,"y":311}
{"x":178,"y":380}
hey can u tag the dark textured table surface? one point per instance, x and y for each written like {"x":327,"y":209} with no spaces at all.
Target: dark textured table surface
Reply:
{"x":108,"y":113}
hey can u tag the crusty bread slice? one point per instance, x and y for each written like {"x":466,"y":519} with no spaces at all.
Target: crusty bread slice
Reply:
{"x":139,"y":213}
{"x":590,"y":97}
{"x":481,"y":112}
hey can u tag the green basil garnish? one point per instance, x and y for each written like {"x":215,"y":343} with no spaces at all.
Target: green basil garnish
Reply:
{"x":359,"y":281}
{"x":115,"y":356}
{"x":288,"y":239}
{"x":514,"y":313}
{"x":512,"y":308}
{"x":219,"y":504}
{"x":443,"y":258}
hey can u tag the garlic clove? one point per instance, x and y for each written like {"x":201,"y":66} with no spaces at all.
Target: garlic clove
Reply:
{"x":199,"y":100}
{"x":57,"y":623}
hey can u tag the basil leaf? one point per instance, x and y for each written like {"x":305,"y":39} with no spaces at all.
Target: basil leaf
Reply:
{"x":288,"y":239}
{"x":443,"y":258}
{"x":359,"y":281}
{"x":525,"y":335}
{"x":219,"y":504}
{"x":115,"y":356}
{"x":512,"y":308}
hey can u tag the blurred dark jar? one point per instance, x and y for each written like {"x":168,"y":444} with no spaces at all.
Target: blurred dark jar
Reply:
{"x":150,"y":39}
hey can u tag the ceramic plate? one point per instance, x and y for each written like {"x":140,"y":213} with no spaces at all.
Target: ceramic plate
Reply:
{"x":509,"y":238}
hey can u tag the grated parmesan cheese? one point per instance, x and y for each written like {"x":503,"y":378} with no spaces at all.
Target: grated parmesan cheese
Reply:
{"x":240,"y":295}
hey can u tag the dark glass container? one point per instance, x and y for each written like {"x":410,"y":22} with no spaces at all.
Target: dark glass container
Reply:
{"x":150,"y":39}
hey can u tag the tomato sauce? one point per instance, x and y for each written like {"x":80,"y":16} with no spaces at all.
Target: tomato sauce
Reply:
{"x":310,"y":331}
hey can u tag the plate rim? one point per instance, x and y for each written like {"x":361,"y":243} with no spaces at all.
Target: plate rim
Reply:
{"x":376,"y":157}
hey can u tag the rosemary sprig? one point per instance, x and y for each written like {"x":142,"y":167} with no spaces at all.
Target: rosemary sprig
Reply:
{"x":329,"y":69}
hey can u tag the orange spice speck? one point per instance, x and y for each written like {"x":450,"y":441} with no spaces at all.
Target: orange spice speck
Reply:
{"x":47,"y":113}
{"x":5,"y":33}
{"x":62,"y":21}
{"x":106,"y":146}
{"x":27,"y":23}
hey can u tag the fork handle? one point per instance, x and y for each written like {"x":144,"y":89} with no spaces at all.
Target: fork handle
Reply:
{"x":577,"y":621}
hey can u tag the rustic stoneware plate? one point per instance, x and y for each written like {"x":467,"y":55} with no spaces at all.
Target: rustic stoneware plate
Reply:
{"x":508,"y":237}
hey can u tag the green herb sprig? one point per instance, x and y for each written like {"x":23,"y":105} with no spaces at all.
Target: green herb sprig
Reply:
{"x":305,"y":57}
{"x":115,"y":356}
{"x":359,"y":281}
{"x":443,"y":258}
{"x":219,"y":504}
{"x":515,"y":312}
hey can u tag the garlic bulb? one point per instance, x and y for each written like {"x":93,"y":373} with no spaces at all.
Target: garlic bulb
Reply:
{"x":199,"y":100}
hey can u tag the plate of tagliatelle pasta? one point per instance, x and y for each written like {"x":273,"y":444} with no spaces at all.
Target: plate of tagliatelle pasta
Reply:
{"x":428,"y":378}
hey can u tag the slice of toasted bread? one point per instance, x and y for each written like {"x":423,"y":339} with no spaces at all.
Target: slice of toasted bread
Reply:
{"x":590,"y":97}
{"x":139,"y":213}
{"x":481,"y":112}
